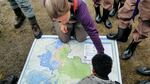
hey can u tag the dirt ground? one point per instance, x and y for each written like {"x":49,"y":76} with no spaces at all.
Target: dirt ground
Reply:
{"x":15,"y":44}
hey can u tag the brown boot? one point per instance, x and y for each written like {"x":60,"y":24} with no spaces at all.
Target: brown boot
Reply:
{"x":35,"y":28}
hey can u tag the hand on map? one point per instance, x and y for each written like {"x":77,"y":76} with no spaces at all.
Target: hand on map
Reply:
{"x":64,"y":28}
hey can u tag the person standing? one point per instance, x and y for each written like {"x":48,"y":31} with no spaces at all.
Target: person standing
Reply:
{"x":23,"y":9}
{"x":130,"y":9}
{"x":107,"y":7}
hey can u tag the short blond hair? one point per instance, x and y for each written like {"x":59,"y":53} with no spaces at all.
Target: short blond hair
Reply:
{"x":56,"y":8}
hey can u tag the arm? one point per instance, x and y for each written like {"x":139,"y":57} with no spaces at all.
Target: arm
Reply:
{"x":84,"y":17}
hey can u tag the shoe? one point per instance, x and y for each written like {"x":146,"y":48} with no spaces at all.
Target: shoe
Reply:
{"x":112,"y":12}
{"x":144,"y":71}
{"x":128,"y":53}
{"x":20,"y":18}
{"x":35,"y":28}
{"x":122,"y":34}
{"x":105,"y":19}
{"x":9,"y":80}
{"x":144,"y":82}
{"x":36,"y":31}
{"x":98,"y":14}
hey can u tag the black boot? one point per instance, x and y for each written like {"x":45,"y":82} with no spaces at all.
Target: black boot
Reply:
{"x":98,"y":14}
{"x":130,"y":50}
{"x":35,"y":27}
{"x":143,"y":71}
{"x":9,"y":80}
{"x":122,"y":34}
{"x":19,"y":18}
{"x":144,"y":82}
{"x":115,"y":9}
{"x":106,"y":21}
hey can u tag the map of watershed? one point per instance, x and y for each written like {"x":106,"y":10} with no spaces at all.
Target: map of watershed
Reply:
{"x":52,"y":62}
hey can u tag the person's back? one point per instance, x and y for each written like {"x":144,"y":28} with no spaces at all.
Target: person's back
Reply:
{"x":92,"y":79}
{"x":102,"y":65}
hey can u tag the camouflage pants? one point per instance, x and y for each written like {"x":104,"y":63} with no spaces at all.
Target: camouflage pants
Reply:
{"x":24,"y":5}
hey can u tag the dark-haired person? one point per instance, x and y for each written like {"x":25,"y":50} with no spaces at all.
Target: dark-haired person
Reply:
{"x":102,"y":65}
{"x":23,"y":9}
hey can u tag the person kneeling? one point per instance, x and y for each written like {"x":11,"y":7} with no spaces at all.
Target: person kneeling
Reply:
{"x":102,"y":65}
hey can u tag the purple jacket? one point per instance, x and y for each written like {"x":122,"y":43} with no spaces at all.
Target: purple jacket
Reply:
{"x":83,"y":16}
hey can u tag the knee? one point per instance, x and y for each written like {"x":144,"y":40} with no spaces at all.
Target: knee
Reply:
{"x":81,"y":39}
{"x":64,"y":40}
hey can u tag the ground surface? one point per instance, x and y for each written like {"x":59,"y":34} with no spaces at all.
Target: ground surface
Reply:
{"x":15,"y":44}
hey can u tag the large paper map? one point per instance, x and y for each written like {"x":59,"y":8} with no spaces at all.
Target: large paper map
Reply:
{"x":52,"y":62}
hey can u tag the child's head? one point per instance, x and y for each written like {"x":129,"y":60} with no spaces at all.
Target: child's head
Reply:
{"x":102,"y":64}
{"x":58,"y":9}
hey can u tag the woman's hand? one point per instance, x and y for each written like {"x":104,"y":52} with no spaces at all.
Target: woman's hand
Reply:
{"x":63,"y":28}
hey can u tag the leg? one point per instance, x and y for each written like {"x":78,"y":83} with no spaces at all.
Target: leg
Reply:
{"x":107,"y":6}
{"x":97,"y":10}
{"x":27,"y":9}
{"x":121,"y":3}
{"x":115,"y":8}
{"x":64,"y":37}
{"x":140,"y":33}
{"x":124,"y":20}
{"x":80,"y":33}
{"x":19,"y":15}
{"x":35,"y":27}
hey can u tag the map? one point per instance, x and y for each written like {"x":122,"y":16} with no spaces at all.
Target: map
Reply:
{"x":52,"y":62}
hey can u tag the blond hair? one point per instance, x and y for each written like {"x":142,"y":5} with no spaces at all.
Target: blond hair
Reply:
{"x":56,"y":8}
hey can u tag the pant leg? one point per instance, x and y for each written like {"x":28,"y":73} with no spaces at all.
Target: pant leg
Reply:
{"x":142,"y":30}
{"x":96,"y":2}
{"x":80,"y":33}
{"x":116,"y":2}
{"x":26,"y":7}
{"x":125,"y":13}
{"x":13,"y":4}
{"x":121,"y":3}
{"x":64,"y":37}
{"x":107,"y":4}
